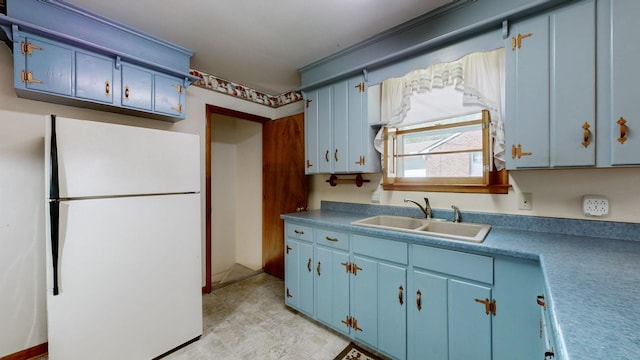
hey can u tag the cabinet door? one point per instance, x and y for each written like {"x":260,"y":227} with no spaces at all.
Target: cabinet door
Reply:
{"x":624,"y":117}
{"x":325,"y":130}
{"x":299,"y":275}
{"x":573,"y":91}
{"x":469,"y":323}
{"x":341,"y":136}
{"x":527,"y":93}
{"x":379,"y":305}
{"x":429,"y":310}
{"x":311,"y":132}
{"x":48,"y":66}
{"x":358,"y":126}
{"x":137,"y":87}
{"x":292,"y":273}
{"x":332,"y":288}
{"x":550,"y":67}
{"x":94,"y":77}
{"x":392,"y":310}
{"x":169,"y":95}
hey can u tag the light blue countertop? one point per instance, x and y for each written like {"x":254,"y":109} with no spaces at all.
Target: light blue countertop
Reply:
{"x":593,"y":282}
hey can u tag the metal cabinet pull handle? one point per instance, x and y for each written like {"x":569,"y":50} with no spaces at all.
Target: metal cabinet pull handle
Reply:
{"x":419,"y":300}
{"x":126,"y":93}
{"x":309,"y":265}
{"x":516,"y":41}
{"x":516,"y":151}
{"x":309,"y":164}
{"x":288,"y":249}
{"x":401,"y":295}
{"x":541,"y":302}
{"x":289,"y":293}
{"x":326,"y":156}
{"x":335,"y":155}
{"x":299,"y":232}
{"x":586,"y":135}
{"x":331,"y":239}
{"x":27,"y":76}
{"x":177,"y":108}
{"x":489,"y":305}
{"x":107,"y":88}
{"x":308,"y":102}
{"x":318,"y":268}
{"x":623,"y":130}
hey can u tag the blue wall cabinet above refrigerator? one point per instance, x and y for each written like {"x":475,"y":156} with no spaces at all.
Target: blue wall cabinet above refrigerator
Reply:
{"x":65,"y":54}
{"x":42,"y":65}
{"x":550,"y":89}
{"x":94,"y":77}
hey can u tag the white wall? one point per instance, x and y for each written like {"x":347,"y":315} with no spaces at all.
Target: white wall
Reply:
{"x":556,"y":193}
{"x":236,"y":194}
{"x":22,"y":285}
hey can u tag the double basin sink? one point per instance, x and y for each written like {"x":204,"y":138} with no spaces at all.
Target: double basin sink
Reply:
{"x":429,"y":227}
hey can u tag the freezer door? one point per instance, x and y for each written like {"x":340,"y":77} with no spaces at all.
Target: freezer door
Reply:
{"x":100,"y":159}
{"x":129,"y":277}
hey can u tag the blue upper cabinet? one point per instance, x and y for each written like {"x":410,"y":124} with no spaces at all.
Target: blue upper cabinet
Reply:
{"x":94,"y":77}
{"x":67,"y":55}
{"x":339,"y":138}
{"x":42,"y":65}
{"x":618,"y":59}
{"x":550,"y":89}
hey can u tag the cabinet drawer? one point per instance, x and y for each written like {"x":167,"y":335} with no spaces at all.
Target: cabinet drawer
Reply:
{"x":468,"y":266}
{"x":300,"y":232}
{"x":380,"y":248}
{"x":333,"y":239}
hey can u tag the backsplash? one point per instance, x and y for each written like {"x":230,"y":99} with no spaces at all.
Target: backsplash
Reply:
{"x":601,"y":229}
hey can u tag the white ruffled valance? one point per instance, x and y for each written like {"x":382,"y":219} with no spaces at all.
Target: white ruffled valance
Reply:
{"x":474,"y":82}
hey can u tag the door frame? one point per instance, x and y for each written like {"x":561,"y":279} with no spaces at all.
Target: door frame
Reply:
{"x":209,"y":111}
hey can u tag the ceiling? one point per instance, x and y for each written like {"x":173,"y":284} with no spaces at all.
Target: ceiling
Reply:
{"x":261,"y":44}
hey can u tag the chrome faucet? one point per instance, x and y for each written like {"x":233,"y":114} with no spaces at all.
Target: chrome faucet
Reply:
{"x":456,"y":214}
{"x":425,"y":209}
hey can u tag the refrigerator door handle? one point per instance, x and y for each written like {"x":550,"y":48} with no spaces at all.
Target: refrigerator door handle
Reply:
{"x":54,"y":205}
{"x":54,"y":212}
{"x":54,"y":191}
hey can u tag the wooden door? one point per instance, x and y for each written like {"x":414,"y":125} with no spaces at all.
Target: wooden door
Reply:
{"x":284,"y":185}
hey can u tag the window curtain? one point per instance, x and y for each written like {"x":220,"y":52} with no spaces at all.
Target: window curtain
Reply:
{"x":472,"y":83}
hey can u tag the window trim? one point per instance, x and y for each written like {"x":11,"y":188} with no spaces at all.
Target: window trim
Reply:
{"x":491,"y":181}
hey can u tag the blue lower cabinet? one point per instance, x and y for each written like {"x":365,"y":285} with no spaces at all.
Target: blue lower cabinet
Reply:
{"x":379,"y":294}
{"x":332,"y":288}
{"x":428,"y":331}
{"x":298,"y":276}
{"x":469,"y":321}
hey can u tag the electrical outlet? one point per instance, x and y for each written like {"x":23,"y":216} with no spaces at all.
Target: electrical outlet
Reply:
{"x":595,"y":205}
{"x":525,"y":201}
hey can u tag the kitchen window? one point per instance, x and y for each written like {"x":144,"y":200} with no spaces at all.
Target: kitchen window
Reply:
{"x":443,"y":128}
{"x":451,"y":154}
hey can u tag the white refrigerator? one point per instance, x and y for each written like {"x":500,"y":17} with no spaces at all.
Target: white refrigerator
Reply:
{"x":123,"y":240}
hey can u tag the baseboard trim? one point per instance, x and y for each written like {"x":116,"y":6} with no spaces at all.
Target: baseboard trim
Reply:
{"x":30,"y":353}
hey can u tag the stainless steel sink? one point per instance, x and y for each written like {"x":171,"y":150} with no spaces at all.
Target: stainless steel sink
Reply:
{"x":455,"y":231}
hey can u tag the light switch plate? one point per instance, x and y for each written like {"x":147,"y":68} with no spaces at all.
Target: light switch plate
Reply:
{"x":595,"y":205}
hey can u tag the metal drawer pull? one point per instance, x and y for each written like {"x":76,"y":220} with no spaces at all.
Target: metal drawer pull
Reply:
{"x":541,"y":302}
{"x":299,"y":232}
{"x":419,"y":300}
{"x":107,"y":88}
{"x":309,"y":265}
{"x":126,"y":93}
{"x":623,"y":130}
{"x":586,"y":135}
{"x":401,"y":295}
{"x":318,"y":268}
{"x":331,"y":239}
{"x":335,"y":155}
{"x":326,"y":156}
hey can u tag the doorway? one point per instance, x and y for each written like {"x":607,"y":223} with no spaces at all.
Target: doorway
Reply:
{"x":233,"y":192}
